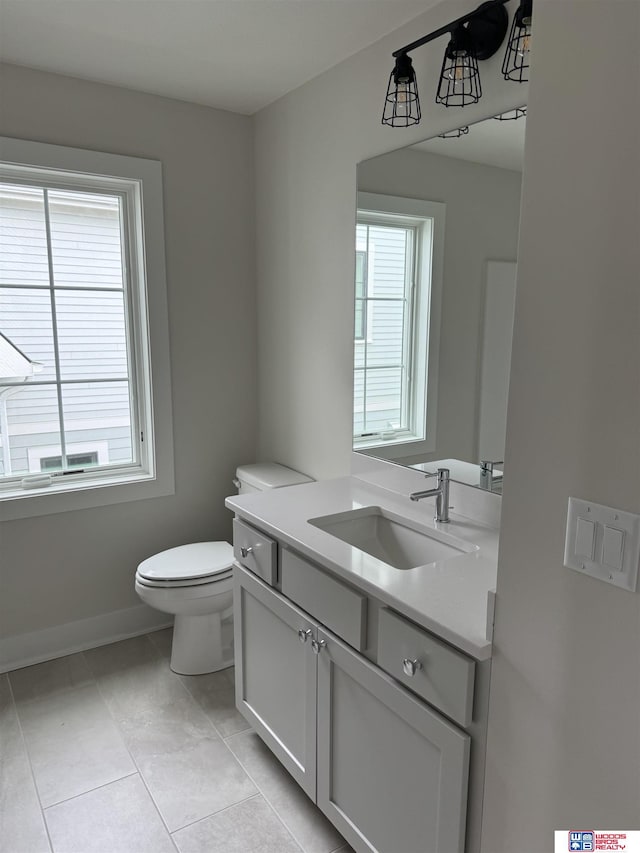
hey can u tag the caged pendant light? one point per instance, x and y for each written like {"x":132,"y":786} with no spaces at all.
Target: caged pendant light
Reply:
{"x":512,"y":115}
{"x":473,"y":37}
{"x":460,"y":77}
{"x":402,"y":105}
{"x":516,"y":59}
{"x":456,"y":133}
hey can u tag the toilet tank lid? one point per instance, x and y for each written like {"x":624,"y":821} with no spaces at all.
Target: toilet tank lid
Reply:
{"x":197,"y":560}
{"x":270,"y":475}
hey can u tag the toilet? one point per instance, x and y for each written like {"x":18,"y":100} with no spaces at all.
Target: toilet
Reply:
{"x":195,"y":583}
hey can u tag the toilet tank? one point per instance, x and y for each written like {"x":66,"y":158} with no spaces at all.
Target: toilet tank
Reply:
{"x":261,"y":476}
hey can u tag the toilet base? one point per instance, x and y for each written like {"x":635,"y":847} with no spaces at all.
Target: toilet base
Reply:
{"x":198,"y":645}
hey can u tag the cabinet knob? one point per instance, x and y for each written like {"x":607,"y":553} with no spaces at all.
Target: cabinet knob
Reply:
{"x":318,"y":645}
{"x":410,"y":667}
{"x":246,"y":550}
{"x":303,"y":635}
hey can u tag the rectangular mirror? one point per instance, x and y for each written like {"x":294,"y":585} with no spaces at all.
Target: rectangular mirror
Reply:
{"x":436,"y":254}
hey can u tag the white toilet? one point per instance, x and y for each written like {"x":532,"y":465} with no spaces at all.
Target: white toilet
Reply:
{"x":195,"y":583}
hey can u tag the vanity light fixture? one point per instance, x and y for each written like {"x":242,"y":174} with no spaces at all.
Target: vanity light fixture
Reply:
{"x":512,"y":115}
{"x":454,"y":134}
{"x":475,"y":36}
{"x":516,"y":59}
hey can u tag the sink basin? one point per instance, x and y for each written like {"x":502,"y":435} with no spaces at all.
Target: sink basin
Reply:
{"x":391,"y":538}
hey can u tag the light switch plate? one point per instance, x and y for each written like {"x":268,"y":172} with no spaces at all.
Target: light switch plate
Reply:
{"x":585,"y":539}
{"x":616,"y":538}
{"x":613,"y":547}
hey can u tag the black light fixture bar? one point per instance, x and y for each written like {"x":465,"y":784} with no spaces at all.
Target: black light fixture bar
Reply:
{"x":448,"y":28}
{"x":474,"y":36}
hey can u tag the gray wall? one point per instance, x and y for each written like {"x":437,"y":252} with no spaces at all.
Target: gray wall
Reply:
{"x":564,"y":746}
{"x":564,"y":726}
{"x":59,"y":568}
{"x":482,"y":216}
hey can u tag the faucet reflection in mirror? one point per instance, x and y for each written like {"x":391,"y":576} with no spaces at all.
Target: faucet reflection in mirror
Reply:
{"x":436,"y":248}
{"x":475,"y":36}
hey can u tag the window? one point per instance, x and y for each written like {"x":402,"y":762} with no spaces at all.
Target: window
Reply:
{"x":383,"y":350}
{"x":361,"y":295}
{"x":79,"y":455}
{"x":397,"y":289}
{"x":73,"y":461}
{"x":78,"y":312}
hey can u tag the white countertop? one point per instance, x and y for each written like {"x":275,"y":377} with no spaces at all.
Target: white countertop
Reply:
{"x":452,"y":598}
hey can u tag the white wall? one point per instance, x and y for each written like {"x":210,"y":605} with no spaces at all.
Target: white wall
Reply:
{"x":564,"y":734}
{"x":482,"y":216}
{"x":70,"y":566}
{"x":564,"y":730}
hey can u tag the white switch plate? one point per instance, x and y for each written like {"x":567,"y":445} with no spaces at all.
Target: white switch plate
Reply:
{"x":580,"y":516}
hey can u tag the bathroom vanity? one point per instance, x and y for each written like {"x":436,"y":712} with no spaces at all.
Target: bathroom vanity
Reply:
{"x":362,"y":647}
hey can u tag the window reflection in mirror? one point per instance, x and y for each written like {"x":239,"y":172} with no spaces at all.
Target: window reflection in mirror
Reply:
{"x":401,"y":242}
{"x":436,"y":252}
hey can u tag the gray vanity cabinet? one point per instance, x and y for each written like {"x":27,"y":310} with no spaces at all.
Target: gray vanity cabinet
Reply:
{"x":392,"y":773}
{"x":389,"y":771}
{"x":276,"y":675}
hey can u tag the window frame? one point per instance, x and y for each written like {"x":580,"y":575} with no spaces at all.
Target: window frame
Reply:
{"x":412,"y":229}
{"x":363,"y":299}
{"x":139,"y":181}
{"x":425,"y":336}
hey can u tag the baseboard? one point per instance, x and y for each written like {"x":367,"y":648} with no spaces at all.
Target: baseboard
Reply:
{"x":26,"y":649}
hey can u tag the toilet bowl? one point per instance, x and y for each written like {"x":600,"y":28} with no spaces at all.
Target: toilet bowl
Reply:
{"x":194,"y":582}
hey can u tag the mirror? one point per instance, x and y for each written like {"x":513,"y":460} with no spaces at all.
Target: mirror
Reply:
{"x":436,"y":251}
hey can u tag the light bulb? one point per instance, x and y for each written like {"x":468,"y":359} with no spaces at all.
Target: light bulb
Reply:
{"x":524,"y":44}
{"x":402,"y":93}
{"x":460,"y":70}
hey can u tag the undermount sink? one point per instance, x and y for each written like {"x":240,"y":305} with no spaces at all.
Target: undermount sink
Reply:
{"x":392,"y":539}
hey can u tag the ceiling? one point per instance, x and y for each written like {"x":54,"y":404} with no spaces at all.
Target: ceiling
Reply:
{"x":237,"y":55}
{"x":493,"y":143}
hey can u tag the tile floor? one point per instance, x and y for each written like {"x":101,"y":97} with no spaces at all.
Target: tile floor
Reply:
{"x":108,"y":751}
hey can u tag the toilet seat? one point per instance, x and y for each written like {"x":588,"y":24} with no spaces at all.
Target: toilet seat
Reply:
{"x":187,"y":565}
{"x":204,"y":581}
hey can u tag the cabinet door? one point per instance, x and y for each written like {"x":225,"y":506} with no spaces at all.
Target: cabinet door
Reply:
{"x":276,"y":674}
{"x":392,"y":773}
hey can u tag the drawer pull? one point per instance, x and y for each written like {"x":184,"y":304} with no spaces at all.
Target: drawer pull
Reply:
{"x":303,"y":635}
{"x":246,"y":550}
{"x":410,"y":667}
{"x":318,"y":645}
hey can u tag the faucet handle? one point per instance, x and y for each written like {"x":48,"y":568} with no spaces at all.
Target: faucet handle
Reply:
{"x":443,"y":473}
{"x":487,"y":464}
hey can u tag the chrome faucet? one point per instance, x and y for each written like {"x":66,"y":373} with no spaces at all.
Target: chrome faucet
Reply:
{"x":441,"y":494}
{"x":487,"y":476}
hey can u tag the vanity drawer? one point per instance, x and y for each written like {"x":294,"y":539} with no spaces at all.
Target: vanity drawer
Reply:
{"x":337,"y":606}
{"x":444,"y":676}
{"x":255,"y":551}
